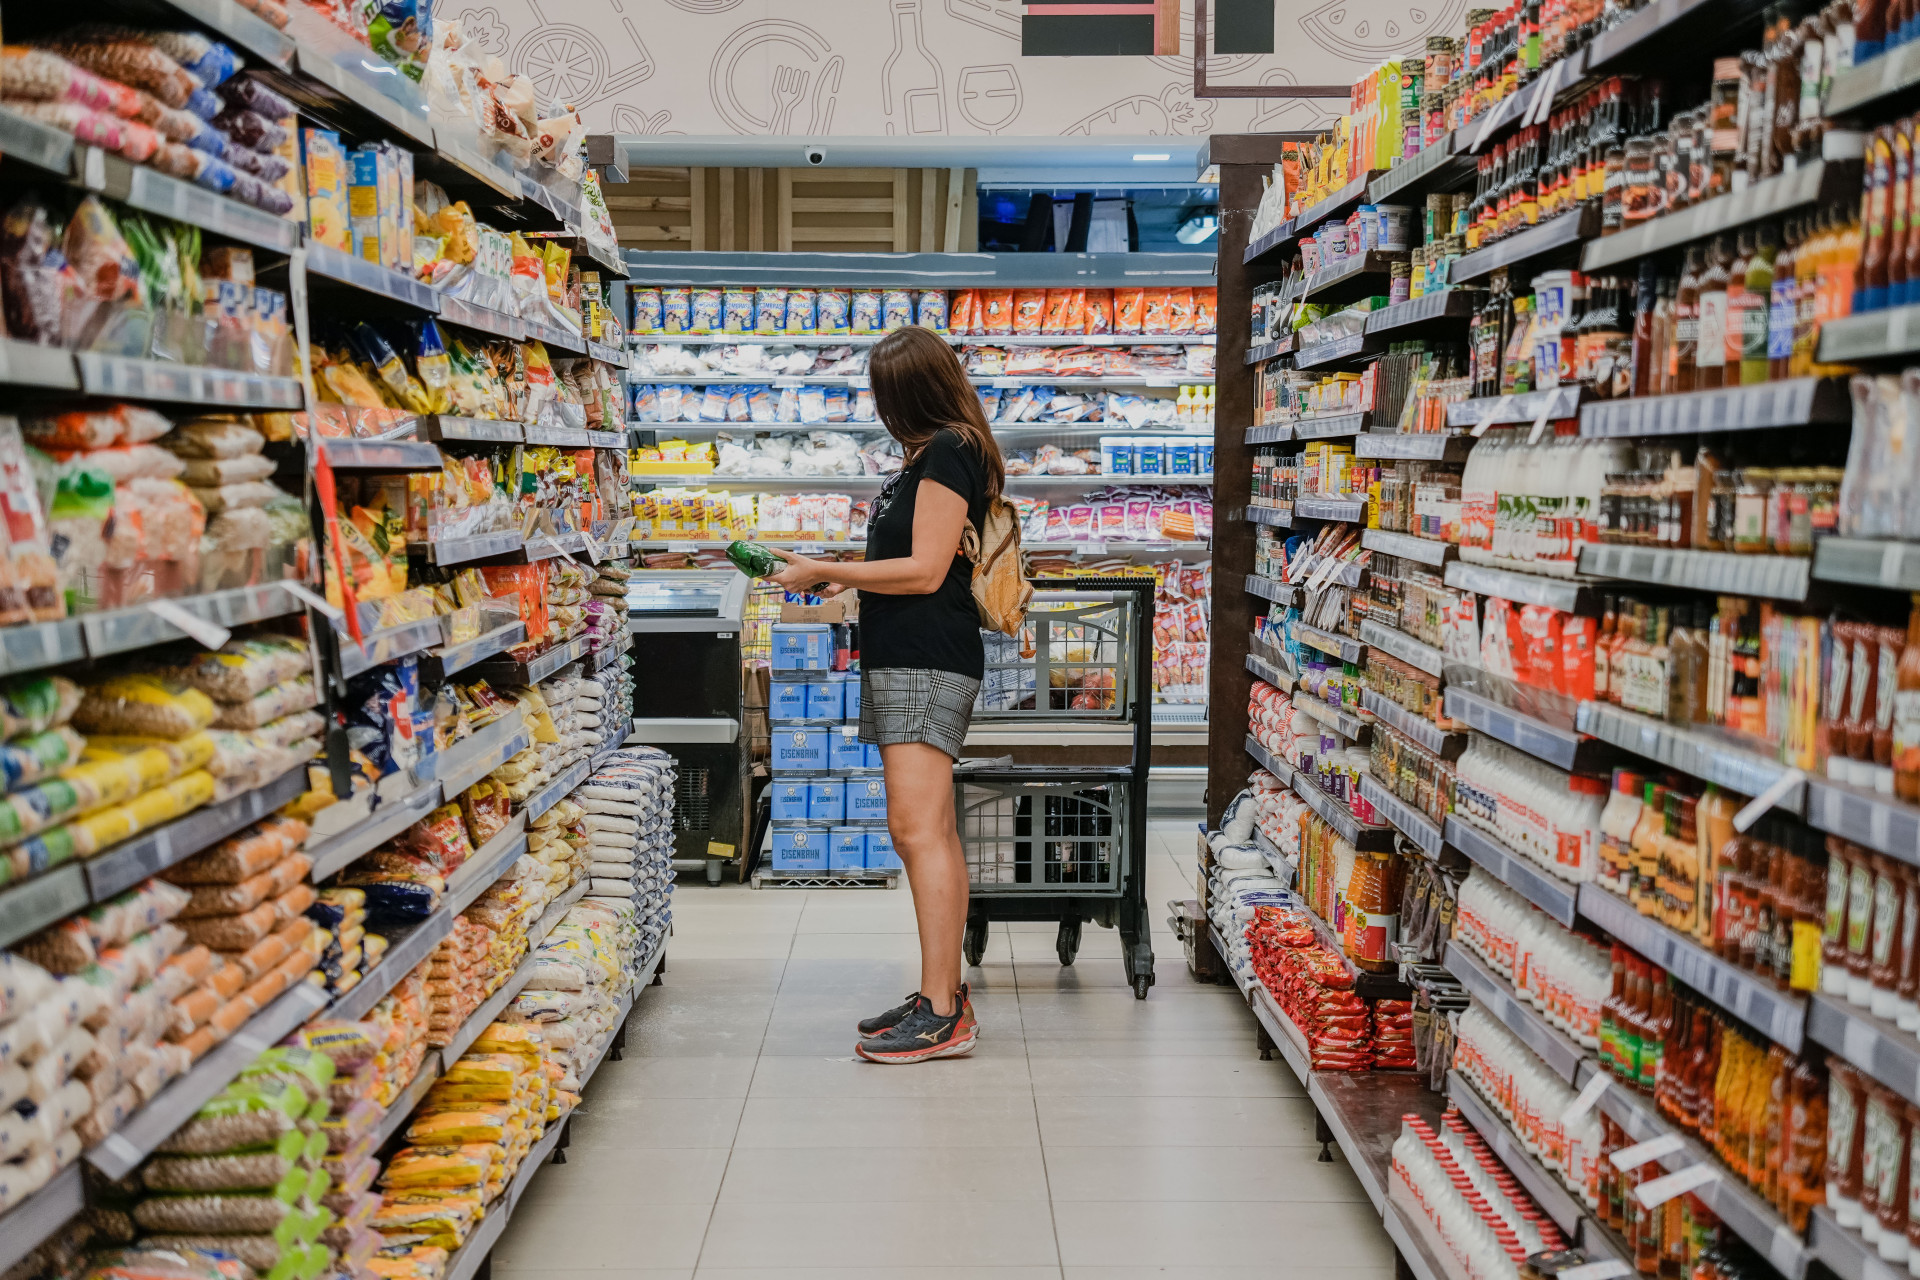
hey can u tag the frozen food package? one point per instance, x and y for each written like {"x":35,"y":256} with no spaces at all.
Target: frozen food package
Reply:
{"x":866,"y":311}
{"x":962,"y":311}
{"x":1128,"y":310}
{"x":1054,"y":315}
{"x":1205,"y":309}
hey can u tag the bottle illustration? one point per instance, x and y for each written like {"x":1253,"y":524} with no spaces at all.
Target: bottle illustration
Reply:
{"x":911,"y":82}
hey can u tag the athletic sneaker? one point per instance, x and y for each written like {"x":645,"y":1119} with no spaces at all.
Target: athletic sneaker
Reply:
{"x":871,"y":1027}
{"x":922,"y":1034}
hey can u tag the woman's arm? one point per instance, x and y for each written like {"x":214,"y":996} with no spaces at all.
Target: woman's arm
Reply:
{"x":939,"y":519}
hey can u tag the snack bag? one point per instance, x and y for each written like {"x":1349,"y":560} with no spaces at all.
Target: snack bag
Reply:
{"x":1205,"y":309}
{"x":1154,"y":316}
{"x":963,"y":310}
{"x":676,"y":310}
{"x":737,"y":311}
{"x":1054,"y":319}
{"x":1098,"y":313}
{"x":1029,"y":309}
{"x":801,"y":305}
{"x":996,"y":313}
{"x":866,"y":311}
{"x":896,"y":309}
{"x":705,"y":310}
{"x":1179,"y":310}
{"x":647,"y":316}
{"x":1129,"y":306}
{"x":770,"y":311}
{"x":833,"y":306}
{"x":930,"y":311}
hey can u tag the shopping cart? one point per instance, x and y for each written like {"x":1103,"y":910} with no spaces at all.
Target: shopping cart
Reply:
{"x":1065,"y":843}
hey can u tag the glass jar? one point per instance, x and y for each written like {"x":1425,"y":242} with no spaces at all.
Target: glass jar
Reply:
{"x":1750,"y":510}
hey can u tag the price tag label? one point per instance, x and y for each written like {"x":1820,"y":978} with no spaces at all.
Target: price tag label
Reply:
{"x":1606,"y":1270}
{"x":1541,"y":418}
{"x":592,"y":545}
{"x":1652,"y":1149}
{"x":681,"y":546}
{"x":1767,"y":799}
{"x":316,"y":602}
{"x":1007,"y":384}
{"x":1588,"y":1097}
{"x":1657,"y":1192}
{"x":1896,"y":325}
{"x":210,"y":634}
{"x":1500,"y":408}
{"x":94,"y":169}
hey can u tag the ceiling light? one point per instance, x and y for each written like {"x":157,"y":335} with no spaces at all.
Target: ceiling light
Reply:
{"x":1148,"y":157}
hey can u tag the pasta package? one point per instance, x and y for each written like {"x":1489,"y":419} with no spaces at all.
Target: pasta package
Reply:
{"x":144,"y":703}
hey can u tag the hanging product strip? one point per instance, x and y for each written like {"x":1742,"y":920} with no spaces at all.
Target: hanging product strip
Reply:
{"x":151,"y":1021}
{"x":1636,"y":509}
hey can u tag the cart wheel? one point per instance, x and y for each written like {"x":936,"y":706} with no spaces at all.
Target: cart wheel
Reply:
{"x":1141,"y":981}
{"x":714,"y":867}
{"x":975,"y":944}
{"x":1067,"y":943}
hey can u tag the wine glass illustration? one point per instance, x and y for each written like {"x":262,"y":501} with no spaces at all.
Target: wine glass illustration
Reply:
{"x":990,"y":97}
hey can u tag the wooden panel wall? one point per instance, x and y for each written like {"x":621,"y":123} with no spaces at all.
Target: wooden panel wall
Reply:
{"x":798,"y":210}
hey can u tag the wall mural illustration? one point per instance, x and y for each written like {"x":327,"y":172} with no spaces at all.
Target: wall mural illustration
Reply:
{"x":914,"y":67}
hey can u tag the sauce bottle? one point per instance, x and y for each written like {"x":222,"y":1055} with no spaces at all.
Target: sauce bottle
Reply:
{"x":1877,"y":193}
{"x":1738,"y":298}
{"x":1883,"y":968}
{"x":1758,"y":315}
{"x":1710,"y":352}
{"x":1686,"y":325}
{"x":1846,"y":1140}
{"x":1781,"y":310}
{"x":1904,"y":748}
{"x":1907,"y":986}
{"x":1859,"y":927}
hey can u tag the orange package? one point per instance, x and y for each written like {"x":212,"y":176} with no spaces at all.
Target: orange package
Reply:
{"x":964,"y":314}
{"x":1128,"y":306}
{"x":1180,"y":309}
{"x":997,"y":310}
{"x":1206,"y":307}
{"x":1055,"y":318}
{"x":1029,"y":309}
{"x":1076,"y":311}
{"x":1099,"y":311}
{"x":1153,"y":311}
{"x":233,"y":1015}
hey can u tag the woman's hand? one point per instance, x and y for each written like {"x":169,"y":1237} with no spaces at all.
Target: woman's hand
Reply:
{"x":801,"y":574}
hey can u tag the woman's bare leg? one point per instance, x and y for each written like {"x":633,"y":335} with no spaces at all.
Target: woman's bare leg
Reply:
{"x":921,"y":820}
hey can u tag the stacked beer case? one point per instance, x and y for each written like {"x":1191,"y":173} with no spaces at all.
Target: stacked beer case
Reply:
{"x":829,"y":800}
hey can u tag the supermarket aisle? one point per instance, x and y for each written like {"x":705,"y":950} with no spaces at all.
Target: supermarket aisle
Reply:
{"x":1089,"y":1137}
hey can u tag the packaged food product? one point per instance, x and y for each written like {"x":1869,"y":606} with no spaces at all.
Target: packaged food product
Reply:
{"x":1129,"y":307}
{"x":997,"y":307}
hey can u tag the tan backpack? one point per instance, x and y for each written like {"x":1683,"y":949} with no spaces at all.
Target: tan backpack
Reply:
{"x":1000,"y":588}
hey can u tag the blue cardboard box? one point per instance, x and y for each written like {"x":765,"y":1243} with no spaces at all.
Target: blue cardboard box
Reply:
{"x":880,"y":854}
{"x":789,"y":800}
{"x":802,"y":646}
{"x":825,"y":700}
{"x":800,"y":848}
{"x":787,"y":700}
{"x":845,"y":750}
{"x":866,"y":799}
{"x":827,"y":801}
{"x":873,"y":754}
{"x":800,"y":749}
{"x":847,"y":849}
{"x":853,"y":698}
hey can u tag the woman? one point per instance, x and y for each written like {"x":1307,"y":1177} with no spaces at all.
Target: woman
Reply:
{"x":921,"y":661}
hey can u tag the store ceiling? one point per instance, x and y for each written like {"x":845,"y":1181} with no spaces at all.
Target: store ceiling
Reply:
{"x":1080,"y":161}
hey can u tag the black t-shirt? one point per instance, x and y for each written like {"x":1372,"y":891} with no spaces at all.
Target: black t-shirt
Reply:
{"x":940,"y":631}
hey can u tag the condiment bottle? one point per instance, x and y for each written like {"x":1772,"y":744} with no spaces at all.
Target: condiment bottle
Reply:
{"x":1846,"y":1141}
{"x":1904,"y":748}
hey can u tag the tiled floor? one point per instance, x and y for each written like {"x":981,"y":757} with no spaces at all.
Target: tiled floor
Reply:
{"x":1089,"y":1137}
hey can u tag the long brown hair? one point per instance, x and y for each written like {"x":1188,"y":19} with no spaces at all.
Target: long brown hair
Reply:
{"x":920,"y":388}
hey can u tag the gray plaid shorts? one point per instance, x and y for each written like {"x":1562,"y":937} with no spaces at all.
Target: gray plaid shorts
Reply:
{"x":915,"y":704}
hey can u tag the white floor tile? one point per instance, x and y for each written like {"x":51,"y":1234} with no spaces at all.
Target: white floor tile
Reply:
{"x":991,"y":1233}
{"x":944,"y":1174}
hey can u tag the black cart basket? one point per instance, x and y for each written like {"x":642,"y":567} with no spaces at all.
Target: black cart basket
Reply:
{"x":1065,"y":843}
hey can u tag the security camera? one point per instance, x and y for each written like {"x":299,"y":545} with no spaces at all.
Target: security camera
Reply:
{"x":816,"y":156}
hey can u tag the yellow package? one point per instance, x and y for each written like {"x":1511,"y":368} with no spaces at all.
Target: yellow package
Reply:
{"x":510,"y":1037}
{"x":421,"y":1262}
{"x":458,"y":1127}
{"x":143,"y":704}
{"x":462,"y":1166}
{"x":454,"y":223}
{"x":554,"y":260}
